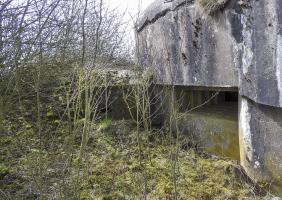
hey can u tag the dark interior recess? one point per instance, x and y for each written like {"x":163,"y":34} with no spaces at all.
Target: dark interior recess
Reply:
{"x":215,"y":101}
{"x":231,"y":96}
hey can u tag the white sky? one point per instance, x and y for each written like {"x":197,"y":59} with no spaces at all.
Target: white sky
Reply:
{"x":132,"y":6}
{"x":131,"y":9}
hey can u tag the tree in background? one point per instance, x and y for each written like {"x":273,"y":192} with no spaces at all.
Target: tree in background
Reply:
{"x":56,"y":46}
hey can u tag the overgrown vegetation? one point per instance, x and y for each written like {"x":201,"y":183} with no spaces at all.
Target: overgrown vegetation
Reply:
{"x":112,"y":169}
{"x":212,"y":6}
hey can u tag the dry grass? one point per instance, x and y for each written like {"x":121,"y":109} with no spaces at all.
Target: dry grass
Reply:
{"x":212,"y":6}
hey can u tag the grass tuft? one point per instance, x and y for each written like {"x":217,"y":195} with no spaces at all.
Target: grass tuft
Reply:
{"x":213,"y":6}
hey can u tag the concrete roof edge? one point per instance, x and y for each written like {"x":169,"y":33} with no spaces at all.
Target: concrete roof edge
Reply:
{"x":158,"y":9}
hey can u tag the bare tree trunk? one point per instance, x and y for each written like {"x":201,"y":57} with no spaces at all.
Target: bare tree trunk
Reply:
{"x":83,"y":34}
{"x":97,"y":32}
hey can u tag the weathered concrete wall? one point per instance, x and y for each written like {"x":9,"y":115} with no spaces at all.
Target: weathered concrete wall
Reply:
{"x":260,"y":136}
{"x":261,"y":76}
{"x":238,"y":47}
{"x":185,"y":49}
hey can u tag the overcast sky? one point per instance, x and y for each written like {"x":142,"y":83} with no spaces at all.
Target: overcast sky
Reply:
{"x":130,"y":5}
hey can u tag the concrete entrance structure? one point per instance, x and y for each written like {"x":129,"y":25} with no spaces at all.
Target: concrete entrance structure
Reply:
{"x":240,"y":46}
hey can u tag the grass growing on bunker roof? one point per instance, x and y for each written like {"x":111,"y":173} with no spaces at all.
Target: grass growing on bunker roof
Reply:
{"x":212,"y":6}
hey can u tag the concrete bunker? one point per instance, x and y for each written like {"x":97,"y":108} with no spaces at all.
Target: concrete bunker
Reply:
{"x":240,"y":47}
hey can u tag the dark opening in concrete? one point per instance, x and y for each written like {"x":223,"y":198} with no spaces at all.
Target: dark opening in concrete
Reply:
{"x":211,"y":118}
